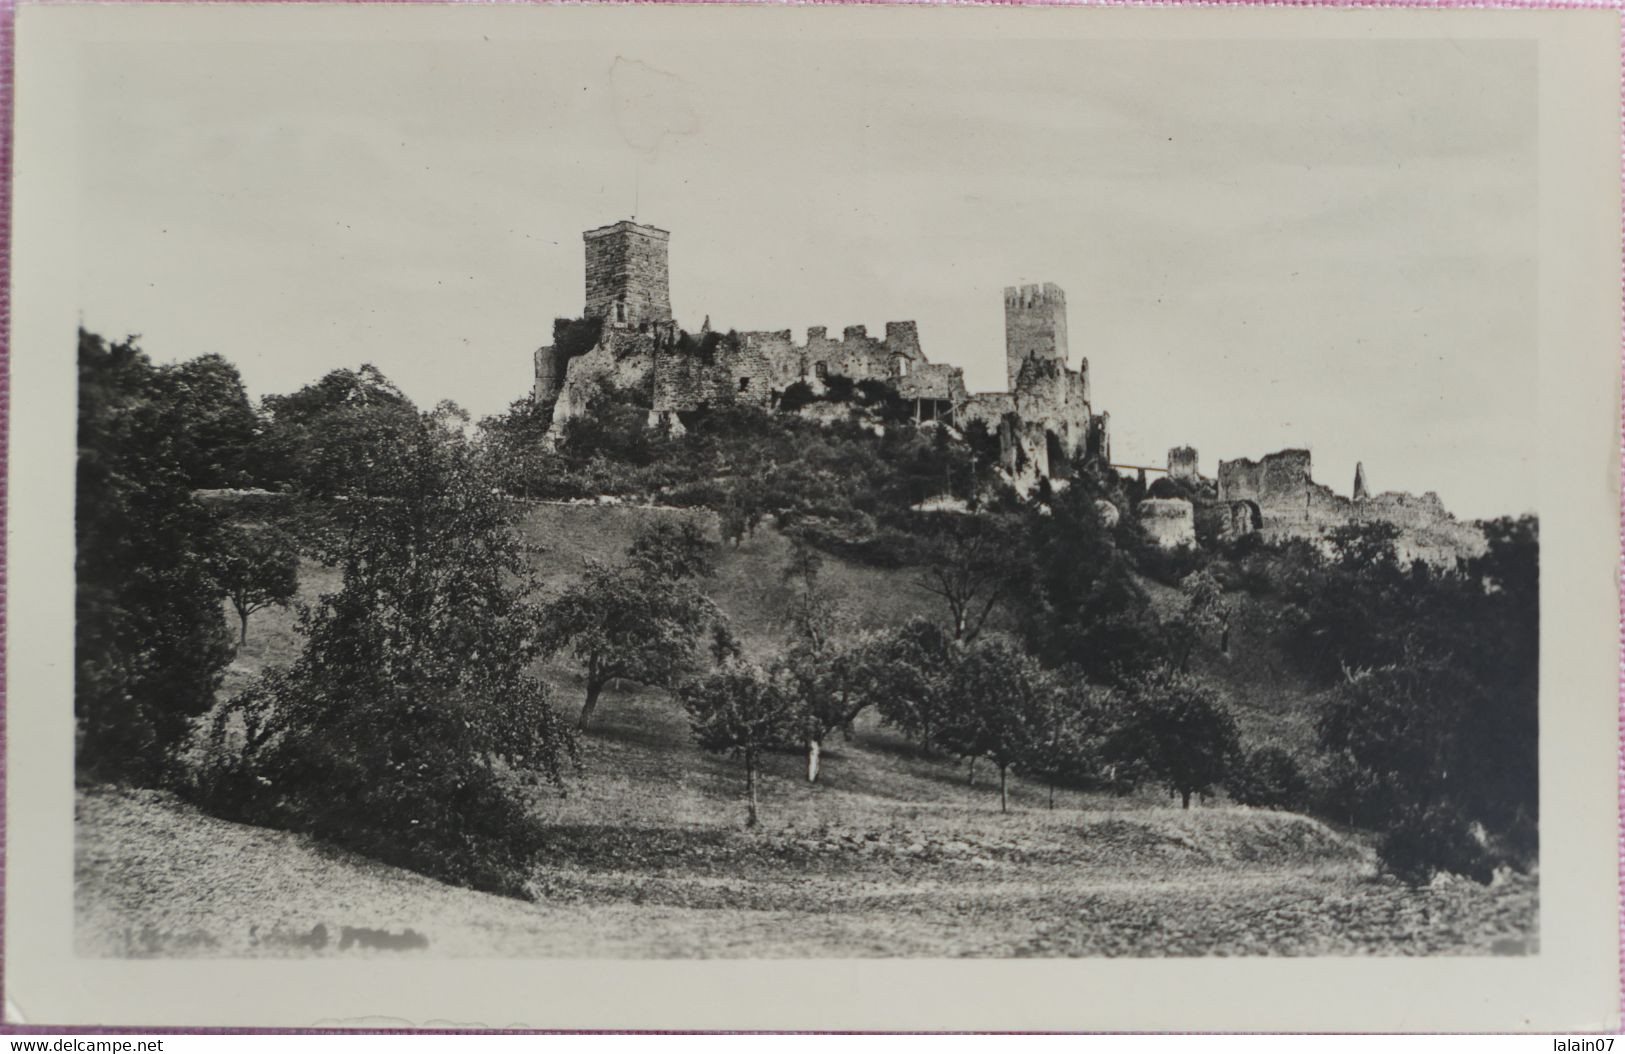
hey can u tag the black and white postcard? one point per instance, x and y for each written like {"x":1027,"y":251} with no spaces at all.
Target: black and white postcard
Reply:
{"x":754,"y":517}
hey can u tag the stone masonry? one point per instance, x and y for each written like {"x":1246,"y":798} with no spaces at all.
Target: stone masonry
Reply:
{"x":1042,"y":421}
{"x":628,"y":283}
{"x":1278,"y":494}
{"x":1034,"y":327}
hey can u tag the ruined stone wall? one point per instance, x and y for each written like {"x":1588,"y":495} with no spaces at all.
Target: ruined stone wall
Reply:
{"x":1277,"y":479}
{"x":1099,"y":443}
{"x":938,"y":382}
{"x":687,"y":382}
{"x":1290,"y":504}
{"x":1170,"y":522}
{"x":755,"y":366}
{"x":549,"y":375}
{"x":627,"y":266}
{"x":860,"y":357}
{"x":1049,"y":398}
{"x":620,"y":359}
{"x":765,"y":362}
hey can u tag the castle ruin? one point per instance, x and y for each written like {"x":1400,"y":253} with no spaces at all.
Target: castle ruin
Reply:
{"x":1277,"y":496}
{"x":1043,"y":420}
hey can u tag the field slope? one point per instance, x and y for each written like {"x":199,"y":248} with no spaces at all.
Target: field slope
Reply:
{"x":891,"y":854}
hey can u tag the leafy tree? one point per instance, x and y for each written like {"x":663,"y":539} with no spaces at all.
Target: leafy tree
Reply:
{"x":150,"y":646}
{"x":1000,"y":702}
{"x":1177,"y":728}
{"x":737,"y":710}
{"x":1083,"y":606}
{"x":640,"y":622}
{"x":674,"y":549}
{"x":1069,"y":732}
{"x":1434,"y":717}
{"x":337,"y":435}
{"x":411,"y":728}
{"x":813,"y":613}
{"x":911,"y":679}
{"x":825,"y":678}
{"x":518,"y":453}
{"x":974,"y":563}
{"x":258,"y":566}
{"x":217,"y":443}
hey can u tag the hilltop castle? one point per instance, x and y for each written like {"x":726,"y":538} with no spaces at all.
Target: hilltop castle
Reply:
{"x":1043,"y":419}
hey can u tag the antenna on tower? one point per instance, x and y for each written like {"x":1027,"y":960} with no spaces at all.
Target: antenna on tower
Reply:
{"x":637,"y":178}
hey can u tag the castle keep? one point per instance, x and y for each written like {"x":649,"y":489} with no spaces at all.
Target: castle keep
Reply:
{"x":1043,"y":420}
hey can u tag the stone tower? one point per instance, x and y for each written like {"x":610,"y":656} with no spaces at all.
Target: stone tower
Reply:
{"x":1034,"y":326}
{"x":627,"y":279}
{"x":1182,"y":464}
{"x":1360,"y":491}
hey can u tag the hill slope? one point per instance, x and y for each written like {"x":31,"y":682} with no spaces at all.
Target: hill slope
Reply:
{"x":891,"y":853}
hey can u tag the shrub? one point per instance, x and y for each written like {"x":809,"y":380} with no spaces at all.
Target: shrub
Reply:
{"x":1427,"y":840}
{"x":1268,"y":777}
{"x":797,"y":396}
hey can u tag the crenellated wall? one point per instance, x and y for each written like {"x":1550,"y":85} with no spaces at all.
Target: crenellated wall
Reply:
{"x":1043,"y":421}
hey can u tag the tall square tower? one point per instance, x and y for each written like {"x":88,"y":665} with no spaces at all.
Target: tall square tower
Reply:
{"x":627,"y":279}
{"x":1034,"y":326}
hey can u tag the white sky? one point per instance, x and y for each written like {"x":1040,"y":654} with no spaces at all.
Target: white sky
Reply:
{"x":1312,"y":243}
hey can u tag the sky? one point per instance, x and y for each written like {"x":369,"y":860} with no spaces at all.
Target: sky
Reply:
{"x":1264,"y":244}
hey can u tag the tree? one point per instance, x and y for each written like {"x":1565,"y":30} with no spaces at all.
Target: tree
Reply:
{"x":1179,"y":730}
{"x":1267,"y":777}
{"x":336,"y":434}
{"x":911,"y":674}
{"x":973,"y":563}
{"x":827,"y":689}
{"x":411,"y":727}
{"x":1433,"y":719}
{"x":258,"y":566}
{"x":1069,"y":731}
{"x":639,"y":622}
{"x":150,"y":646}
{"x":737,"y":710}
{"x":674,"y":549}
{"x":999,"y":699}
{"x":1083,"y":606}
{"x":517,"y":449}
{"x":217,"y":443}
{"x":823,"y":677}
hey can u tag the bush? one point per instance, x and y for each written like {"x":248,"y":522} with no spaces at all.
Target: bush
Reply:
{"x":796,"y":397}
{"x":1267,"y":777}
{"x":1427,"y":840}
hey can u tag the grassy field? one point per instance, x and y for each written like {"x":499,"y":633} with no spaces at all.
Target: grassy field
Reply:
{"x":892,"y":853}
